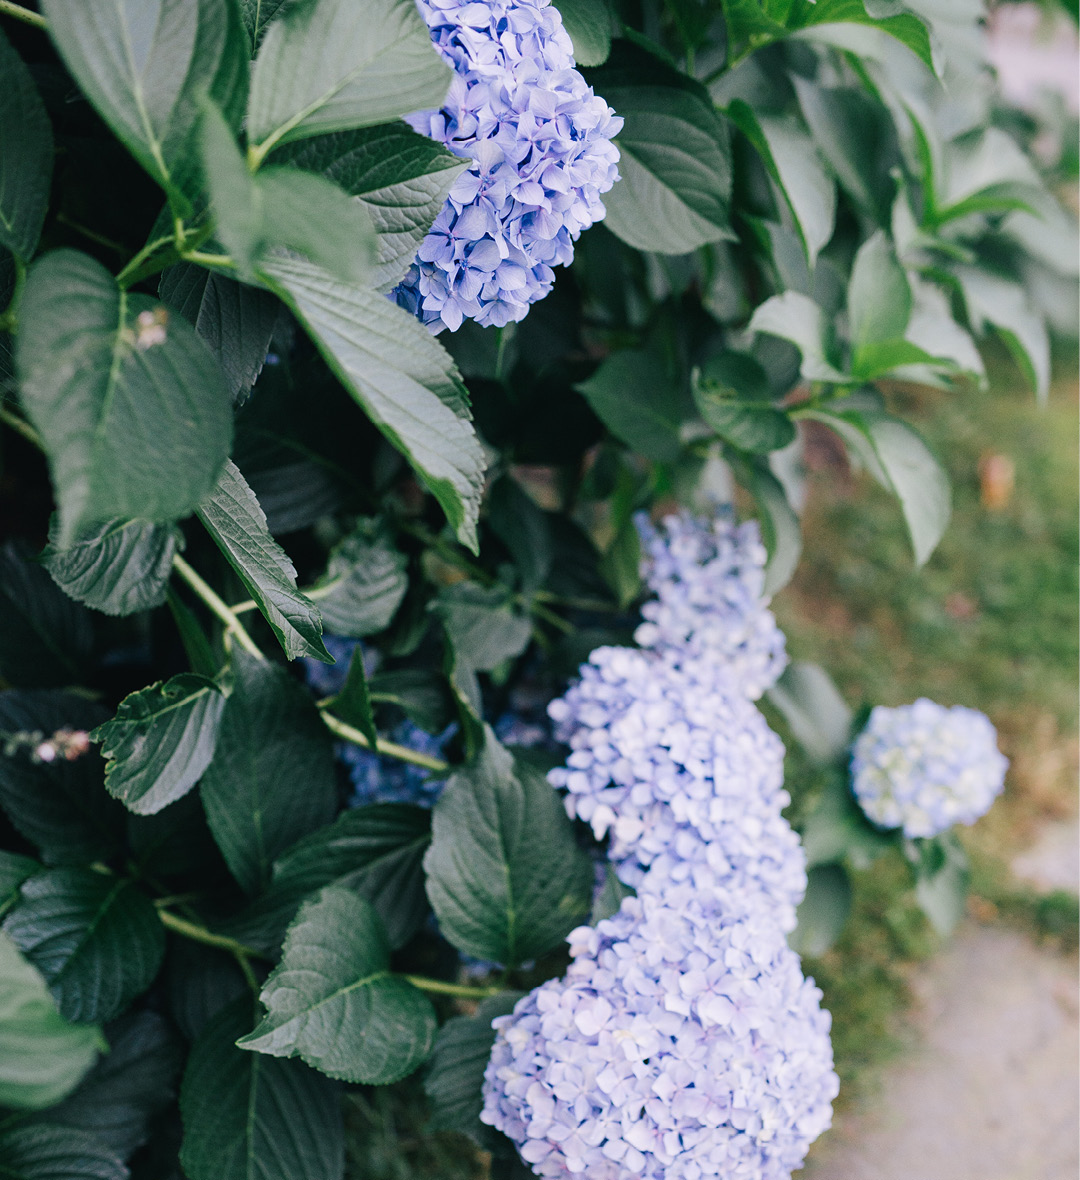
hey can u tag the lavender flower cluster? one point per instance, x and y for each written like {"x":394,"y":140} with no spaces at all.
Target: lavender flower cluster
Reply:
{"x":539,"y":145}
{"x":924,"y":767}
{"x":683,"y":1042}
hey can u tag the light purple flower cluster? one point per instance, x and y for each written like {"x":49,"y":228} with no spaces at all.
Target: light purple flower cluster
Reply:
{"x":678,"y":767}
{"x":683,"y":1043}
{"x":708,"y":577}
{"x":539,"y":145}
{"x":924,"y":767}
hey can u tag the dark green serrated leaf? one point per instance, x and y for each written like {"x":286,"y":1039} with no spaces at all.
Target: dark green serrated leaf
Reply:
{"x":675,"y":158}
{"x":505,"y":876}
{"x":332,"y":65}
{"x":60,"y":806}
{"x":482,"y":625}
{"x":823,"y":911}
{"x":201,"y":982}
{"x":249,"y":1117}
{"x":257,"y":14}
{"x":26,"y":156}
{"x":56,"y":1153}
{"x":160,"y":741}
{"x":129,"y":1086}
{"x":815,"y":711}
{"x":353,"y":703}
{"x":420,"y":694}
{"x":401,"y":178}
{"x":364,"y":583}
{"x":589,"y":23}
{"x":232,"y":516}
{"x":119,"y":567}
{"x":146,"y":67}
{"x":131,"y":405}
{"x":732,"y":394}
{"x":42,"y":1056}
{"x":236,"y":321}
{"x":46,"y":639}
{"x":334,"y":1002}
{"x":282,"y":209}
{"x":95,"y":938}
{"x":455,"y":1073}
{"x":271,"y":779}
{"x":404,"y":380}
{"x":14,"y":870}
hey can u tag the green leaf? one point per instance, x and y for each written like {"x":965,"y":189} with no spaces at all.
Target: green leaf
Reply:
{"x":941,"y":882}
{"x":283,"y":208}
{"x":418,"y":692}
{"x":160,"y":741}
{"x":146,"y":68}
{"x":46,"y":638}
{"x":131,"y":405}
{"x":202,"y":981}
{"x":815,"y":711}
{"x":132,"y":1084}
{"x":334,"y":1002}
{"x":257,"y":14}
{"x":909,"y":30}
{"x":482,"y":625}
{"x":271,"y":779}
{"x":455,"y":1073}
{"x":823,"y":911}
{"x":837,"y":830}
{"x":42,"y":1056}
{"x":400,"y":177}
{"x":197,"y":647}
{"x":675,"y":156}
{"x":732,"y":394}
{"x":353,"y":703}
{"x":14,"y":870}
{"x":505,"y":876}
{"x":401,"y":376}
{"x":26,"y":156}
{"x":61,"y":807}
{"x":589,"y":24}
{"x":232,"y":516}
{"x":331,"y":65}
{"x":57,"y":1153}
{"x":878,"y":298}
{"x":248,"y":1117}
{"x":236,"y":321}
{"x":905,"y":466}
{"x":633,"y":394}
{"x":796,"y":317}
{"x":364,"y":583}
{"x":793,"y":161}
{"x":95,"y":938}
{"x":779,"y":525}
{"x":374,"y":851}
{"x":119,"y":567}
{"x":523,"y":528}
{"x":995,"y":302}
{"x":610,"y":897}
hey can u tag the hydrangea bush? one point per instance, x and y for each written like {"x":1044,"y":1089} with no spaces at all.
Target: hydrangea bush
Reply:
{"x":401,"y":409}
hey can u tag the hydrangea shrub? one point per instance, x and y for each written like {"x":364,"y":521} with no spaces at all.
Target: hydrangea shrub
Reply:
{"x":401,"y":405}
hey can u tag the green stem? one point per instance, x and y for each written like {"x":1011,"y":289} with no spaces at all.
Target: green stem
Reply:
{"x":23,"y":14}
{"x":92,"y":235}
{"x":220,"y":608}
{"x":21,"y":427}
{"x":199,"y":933}
{"x":213,"y":261}
{"x":390,"y":749}
{"x":438,"y":987}
{"x":133,"y":271}
{"x":9,"y":318}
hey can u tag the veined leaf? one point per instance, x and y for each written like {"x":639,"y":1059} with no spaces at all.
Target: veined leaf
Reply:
{"x":332,"y":65}
{"x":95,"y":938}
{"x":119,"y":567}
{"x":131,"y":405}
{"x":353,"y":703}
{"x":364,"y":583}
{"x":146,"y":66}
{"x":732,"y":394}
{"x":160,"y":741}
{"x":232,"y":516}
{"x":57,"y":1153}
{"x":248,"y":1116}
{"x":257,"y":14}
{"x":589,"y":24}
{"x":271,"y":779}
{"x":42,"y":1056}
{"x":905,"y":27}
{"x":505,"y":876}
{"x":26,"y":156}
{"x":796,"y":317}
{"x":482,"y":625}
{"x":404,"y":380}
{"x":334,"y":1002}
{"x":637,"y":399}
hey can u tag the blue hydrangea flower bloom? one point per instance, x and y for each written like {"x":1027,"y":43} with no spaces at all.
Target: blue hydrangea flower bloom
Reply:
{"x":677,"y":767}
{"x":683,"y":1043}
{"x":709,"y":577}
{"x":389,"y":780}
{"x":924,"y":767}
{"x":539,"y":145}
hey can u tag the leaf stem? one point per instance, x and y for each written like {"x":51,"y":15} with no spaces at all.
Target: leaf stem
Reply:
{"x":21,"y":426}
{"x":213,"y":261}
{"x":131,"y":273}
{"x":199,"y":933}
{"x":390,"y":749}
{"x":439,"y":987}
{"x":219,"y":607}
{"x":7,"y":8}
